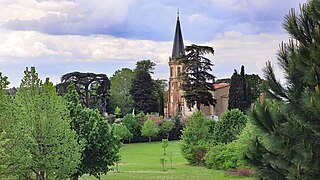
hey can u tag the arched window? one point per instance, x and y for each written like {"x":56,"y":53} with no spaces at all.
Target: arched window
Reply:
{"x":171,"y":71}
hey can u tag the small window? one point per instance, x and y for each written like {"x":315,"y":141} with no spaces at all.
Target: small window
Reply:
{"x":179,"y":71}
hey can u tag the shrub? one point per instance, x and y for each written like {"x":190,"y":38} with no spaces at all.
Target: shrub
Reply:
{"x":225,"y":156}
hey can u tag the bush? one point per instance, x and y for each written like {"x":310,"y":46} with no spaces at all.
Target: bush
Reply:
{"x":225,"y":156}
{"x":229,"y":126}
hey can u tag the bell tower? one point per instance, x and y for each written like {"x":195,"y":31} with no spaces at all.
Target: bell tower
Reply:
{"x":175,"y":94}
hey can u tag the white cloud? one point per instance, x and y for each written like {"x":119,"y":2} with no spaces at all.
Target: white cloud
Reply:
{"x":31,"y":44}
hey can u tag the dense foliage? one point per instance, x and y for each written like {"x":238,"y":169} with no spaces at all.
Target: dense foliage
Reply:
{"x":196,"y":138}
{"x":225,"y":156}
{"x":120,"y":90}
{"x":288,"y":118}
{"x":149,"y":129}
{"x":229,"y":126}
{"x":142,"y":89}
{"x":197,"y":82}
{"x":100,"y":146}
{"x":39,"y":141}
{"x":244,"y":90}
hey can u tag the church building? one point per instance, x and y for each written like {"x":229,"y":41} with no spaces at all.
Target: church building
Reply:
{"x":176,"y":102}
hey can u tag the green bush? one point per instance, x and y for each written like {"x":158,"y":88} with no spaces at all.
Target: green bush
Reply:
{"x":229,"y":126}
{"x":196,"y":138}
{"x":225,"y":156}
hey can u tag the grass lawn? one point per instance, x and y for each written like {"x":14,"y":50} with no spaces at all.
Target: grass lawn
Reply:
{"x":142,"y":161}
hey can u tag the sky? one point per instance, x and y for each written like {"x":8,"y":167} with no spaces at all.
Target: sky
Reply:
{"x":102,"y":36}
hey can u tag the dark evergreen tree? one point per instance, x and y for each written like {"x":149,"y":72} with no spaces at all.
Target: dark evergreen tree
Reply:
{"x":196,"y":78}
{"x":142,"y":89}
{"x":288,"y":119}
{"x":238,"y":91}
{"x":253,"y":84}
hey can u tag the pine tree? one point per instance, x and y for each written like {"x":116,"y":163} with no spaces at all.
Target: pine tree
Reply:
{"x":287,"y":145}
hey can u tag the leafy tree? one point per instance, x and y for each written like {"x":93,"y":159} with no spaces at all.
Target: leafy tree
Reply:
{"x":142,"y":91}
{"x":40,"y":141}
{"x":92,"y":88}
{"x":120,"y":90}
{"x":195,"y":81}
{"x":149,"y":129}
{"x":229,"y":126}
{"x":132,"y":124}
{"x":121,"y":132}
{"x":164,"y":144}
{"x":288,"y":118}
{"x":100,"y":146}
{"x":166,"y":127}
{"x":196,"y":138}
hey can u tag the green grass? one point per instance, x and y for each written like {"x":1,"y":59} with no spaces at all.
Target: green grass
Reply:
{"x":142,"y":161}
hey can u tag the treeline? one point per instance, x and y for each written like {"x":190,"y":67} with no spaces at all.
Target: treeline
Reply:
{"x":126,"y":91}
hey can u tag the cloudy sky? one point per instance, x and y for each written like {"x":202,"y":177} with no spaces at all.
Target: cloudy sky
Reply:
{"x":101,"y":36}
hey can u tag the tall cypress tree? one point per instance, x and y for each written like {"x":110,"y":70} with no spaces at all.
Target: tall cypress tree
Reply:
{"x":288,"y":119}
{"x":238,"y":91}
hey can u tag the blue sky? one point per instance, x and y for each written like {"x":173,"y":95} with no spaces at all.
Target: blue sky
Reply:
{"x":102,"y":36}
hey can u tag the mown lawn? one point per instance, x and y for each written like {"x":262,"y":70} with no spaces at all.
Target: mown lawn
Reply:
{"x":142,"y":161}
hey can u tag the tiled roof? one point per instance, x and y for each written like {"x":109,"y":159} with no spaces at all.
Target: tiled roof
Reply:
{"x":221,"y":85}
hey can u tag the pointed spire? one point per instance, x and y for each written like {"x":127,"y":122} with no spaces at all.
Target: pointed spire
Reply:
{"x":178,"y":46}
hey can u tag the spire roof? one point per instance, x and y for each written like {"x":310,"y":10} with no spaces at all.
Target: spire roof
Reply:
{"x":178,"y":46}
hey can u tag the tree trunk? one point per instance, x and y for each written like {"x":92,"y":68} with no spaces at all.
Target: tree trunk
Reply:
{"x":149,"y":139}
{"x":164,"y":151}
{"x":198,"y":106}
{"x":41,"y":177}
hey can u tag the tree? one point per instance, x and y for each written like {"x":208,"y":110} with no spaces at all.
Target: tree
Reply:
{"x":288,"y":117}
{"x":196,"y":138}
{"x":101,"y":148}
{"x":238,"y":91}
{"x":92,"y":88}
{"x":120,"y":90}
{"x":195,"y":80}
{"x":132,"y":124}
{"x":146,"y":66}
{"x":244,"y":90}
{"x":121,"y":132}
{"x":254,"y":83}
{"x":142,"y":91}
{"x":229,"y":126}
{"x":164,"y":145}
{"x":166,"y":127}
{"x":149,"y":129}
{"x":40,"y":141}
{"x":161,"y":94}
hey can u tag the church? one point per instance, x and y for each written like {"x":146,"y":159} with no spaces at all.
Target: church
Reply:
{"x":176,"y":103}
